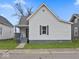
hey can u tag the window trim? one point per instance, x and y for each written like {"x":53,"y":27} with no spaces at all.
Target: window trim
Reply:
{"x":40,"y":29}
{"x":47,"y":30}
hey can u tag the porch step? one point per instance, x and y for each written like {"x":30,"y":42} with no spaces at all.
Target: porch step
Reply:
{"x":21,"y":45}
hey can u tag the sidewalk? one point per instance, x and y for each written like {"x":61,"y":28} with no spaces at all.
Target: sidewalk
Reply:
{"x":40,"y":54}
{"x":35,"y":51}
{"x":41,"y":51}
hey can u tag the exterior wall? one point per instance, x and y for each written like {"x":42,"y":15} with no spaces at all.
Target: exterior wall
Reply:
{"x":57,"y":30}
{"x":72,"y":31}
{"x":49,"y":41}
{"x":75,"y":25}
{"x":7,"y":32}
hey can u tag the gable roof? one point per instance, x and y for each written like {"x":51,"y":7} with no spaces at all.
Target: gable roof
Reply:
{"x":4,"y":21}
{"x":50,"y":11}
{"x":73,"y":17}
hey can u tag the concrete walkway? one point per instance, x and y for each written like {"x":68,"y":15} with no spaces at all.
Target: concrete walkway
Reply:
{"x":44,"y":51}
{"x":21,"y":45}
{"x":40,"y":54}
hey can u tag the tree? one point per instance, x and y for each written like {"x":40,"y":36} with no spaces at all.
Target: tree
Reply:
{"x":20,"y":10}
{"x":29,"y":11}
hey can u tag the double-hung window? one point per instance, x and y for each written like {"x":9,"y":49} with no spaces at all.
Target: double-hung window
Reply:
{"x":44,"y":30}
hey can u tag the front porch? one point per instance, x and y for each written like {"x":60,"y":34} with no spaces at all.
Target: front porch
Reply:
{"x":23,"y":36}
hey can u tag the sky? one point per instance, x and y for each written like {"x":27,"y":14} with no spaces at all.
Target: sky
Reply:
{"x":62,"y":8}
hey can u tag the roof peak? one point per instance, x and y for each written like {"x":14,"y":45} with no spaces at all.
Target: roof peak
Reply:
{"x":43,"y":4}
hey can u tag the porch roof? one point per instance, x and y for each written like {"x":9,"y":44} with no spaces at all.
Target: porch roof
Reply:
{"x":22,"y":26}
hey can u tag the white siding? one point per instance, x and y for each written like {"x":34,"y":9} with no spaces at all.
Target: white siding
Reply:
{"x":7,"y":32}
{"x":57,"y":30}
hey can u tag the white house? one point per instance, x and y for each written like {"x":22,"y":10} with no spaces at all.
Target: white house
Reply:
{"x":44,"y":25}
{"x":6,"y":29}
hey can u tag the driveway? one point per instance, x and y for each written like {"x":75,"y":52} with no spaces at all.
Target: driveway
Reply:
{"x":40,"y":54}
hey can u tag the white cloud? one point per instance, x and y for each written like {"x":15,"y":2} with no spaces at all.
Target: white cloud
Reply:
{"x":9,"y":6}
{"x":20,"y":1}
{"x":77,"y":2}
{"x":6,"y":6}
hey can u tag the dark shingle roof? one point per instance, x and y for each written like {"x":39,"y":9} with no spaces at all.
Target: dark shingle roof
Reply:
{"x":77,"y":15}
{"x":5,"y":21}
{"x":73,"y":17}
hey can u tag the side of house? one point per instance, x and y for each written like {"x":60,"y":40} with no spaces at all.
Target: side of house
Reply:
{"x":6,"y":29}
{"x":46,"y":26}
{"x":75,"y":26}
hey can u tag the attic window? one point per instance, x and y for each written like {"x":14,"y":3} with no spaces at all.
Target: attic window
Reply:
{"x":43,"y":10}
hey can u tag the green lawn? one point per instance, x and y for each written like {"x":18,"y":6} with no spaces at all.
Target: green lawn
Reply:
{"x":73,"y":44}
{"x":8,"y":44}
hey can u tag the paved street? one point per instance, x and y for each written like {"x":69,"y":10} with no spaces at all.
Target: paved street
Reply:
{"x":40,"y":54}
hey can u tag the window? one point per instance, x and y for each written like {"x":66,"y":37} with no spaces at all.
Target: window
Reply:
{"x":43,"y":10}
{"x":76,"y":31}
{"x":76,"y":20}
{"x":0,"y":31}
{"x":43,"y":30}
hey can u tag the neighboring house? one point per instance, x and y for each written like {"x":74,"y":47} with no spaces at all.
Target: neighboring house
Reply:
{"x":75,"y":26}
{"x":44,"y":25}
{"x":6,"y":29}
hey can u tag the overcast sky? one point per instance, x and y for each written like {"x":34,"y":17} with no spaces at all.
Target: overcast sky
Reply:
{"x":62,"y":8}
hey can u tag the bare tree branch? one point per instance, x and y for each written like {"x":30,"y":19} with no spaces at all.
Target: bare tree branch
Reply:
{"x":20,"y":10}
{"x":29,"y":11}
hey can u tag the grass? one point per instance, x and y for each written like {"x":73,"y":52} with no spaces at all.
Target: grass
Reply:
{"x":73,"y":44}
{"x":8,"y":44}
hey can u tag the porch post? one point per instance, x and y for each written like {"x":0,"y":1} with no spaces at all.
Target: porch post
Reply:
{"x":15,"y":31}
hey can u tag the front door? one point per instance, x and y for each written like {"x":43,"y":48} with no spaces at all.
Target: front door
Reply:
{"x":27,"y":35}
